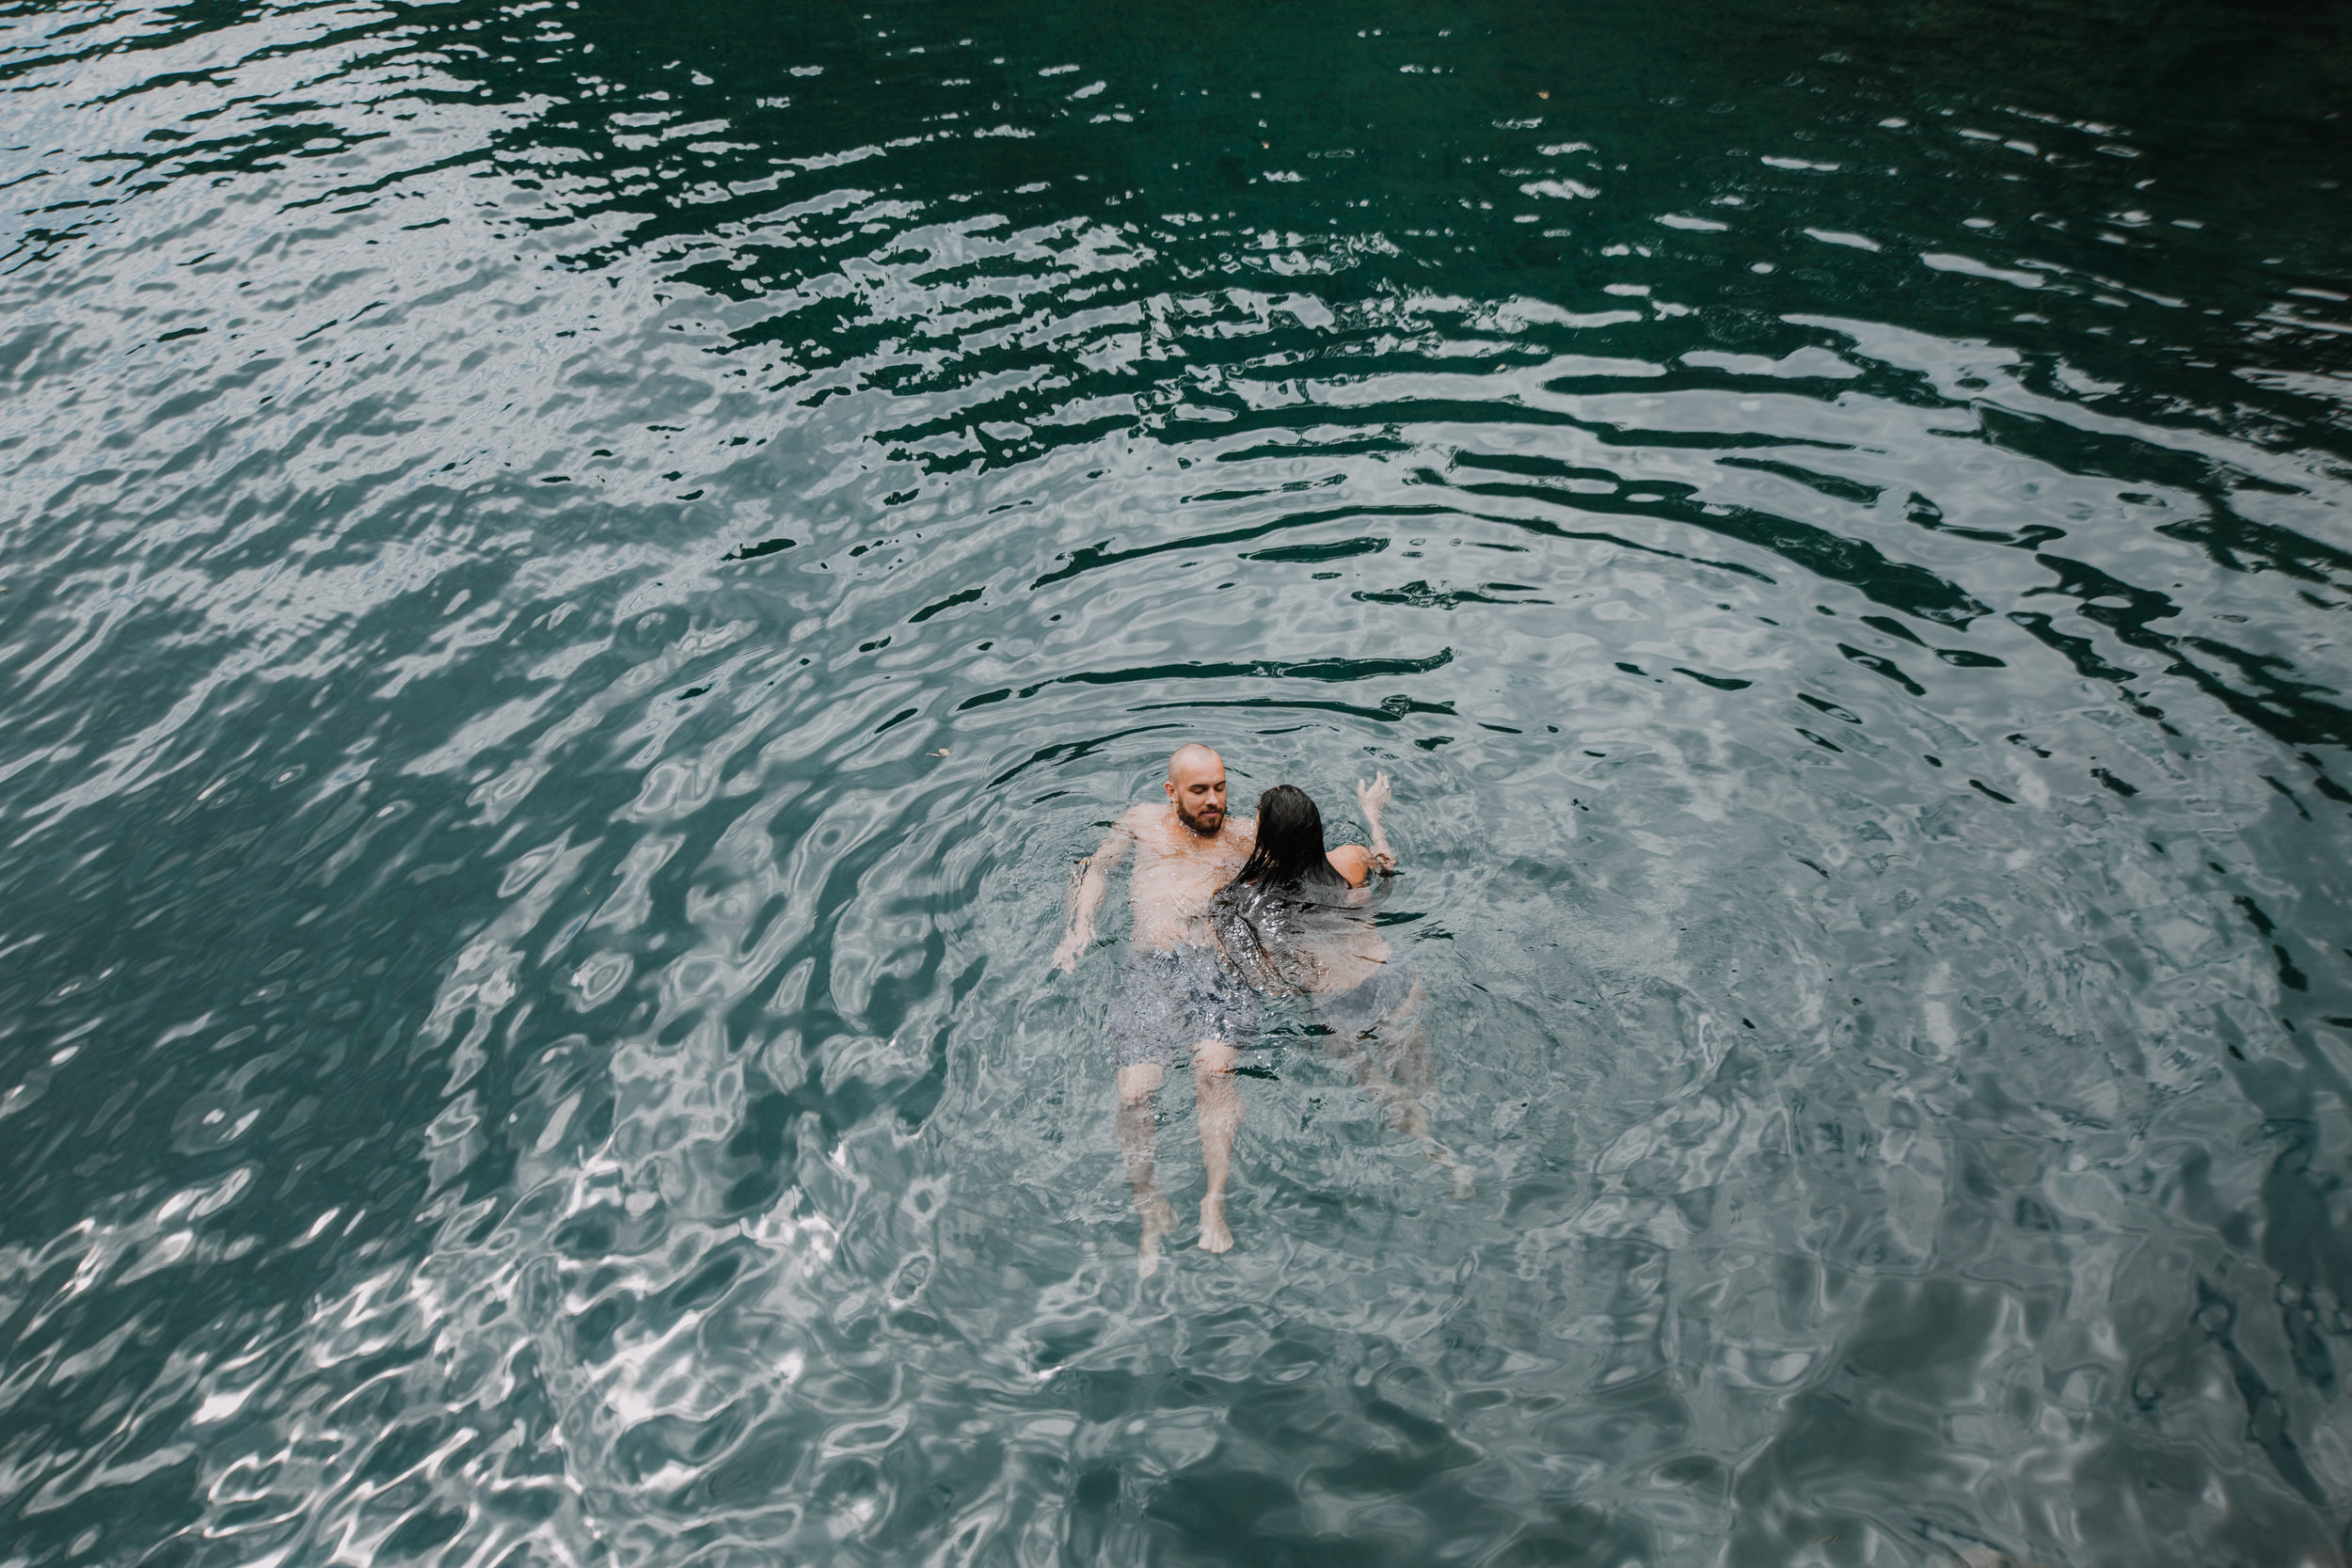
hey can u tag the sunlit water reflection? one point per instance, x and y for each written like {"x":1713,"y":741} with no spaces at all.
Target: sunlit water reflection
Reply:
{"x":576,"y":578}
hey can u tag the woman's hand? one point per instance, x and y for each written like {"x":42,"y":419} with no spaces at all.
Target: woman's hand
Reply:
{"x":1374,"y":797}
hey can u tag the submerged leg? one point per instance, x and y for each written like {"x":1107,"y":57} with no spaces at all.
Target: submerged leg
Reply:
{"x":1392,"y":1065}
{"x":1396,"y":1046}
{"x":1137,"y":1141}
{"x":1217,"y":1104}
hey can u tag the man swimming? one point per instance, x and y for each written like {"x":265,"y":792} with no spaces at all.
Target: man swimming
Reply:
{"x":1177,"y":1000}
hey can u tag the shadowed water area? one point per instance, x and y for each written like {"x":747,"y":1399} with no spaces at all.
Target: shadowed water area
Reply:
{"x":579,"y":573}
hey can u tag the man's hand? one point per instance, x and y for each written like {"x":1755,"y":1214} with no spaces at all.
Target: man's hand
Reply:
{"x":1087,"y":884}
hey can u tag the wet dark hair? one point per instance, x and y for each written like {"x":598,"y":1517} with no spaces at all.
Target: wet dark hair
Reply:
{"x":1289,"y":856}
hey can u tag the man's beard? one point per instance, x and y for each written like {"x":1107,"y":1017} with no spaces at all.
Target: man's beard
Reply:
{"x":1205,"y":829}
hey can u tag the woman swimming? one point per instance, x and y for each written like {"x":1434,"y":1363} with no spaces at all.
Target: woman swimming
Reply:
{"x":1297,"y":920}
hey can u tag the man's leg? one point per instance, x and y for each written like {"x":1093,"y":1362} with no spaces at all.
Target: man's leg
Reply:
{"x":1138,"y":1136}
{"x":1217,"y":1104}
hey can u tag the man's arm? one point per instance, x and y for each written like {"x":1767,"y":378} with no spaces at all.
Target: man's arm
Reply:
{"x":1093,"y":878}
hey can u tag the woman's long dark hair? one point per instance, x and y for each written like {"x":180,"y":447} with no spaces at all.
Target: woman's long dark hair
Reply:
{"x":1290,"y":856}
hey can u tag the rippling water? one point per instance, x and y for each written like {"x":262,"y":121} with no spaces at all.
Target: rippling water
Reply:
{"x":578,"y":575}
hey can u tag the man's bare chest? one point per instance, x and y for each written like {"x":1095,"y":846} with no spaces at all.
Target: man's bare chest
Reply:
{"x":1165,"y":868}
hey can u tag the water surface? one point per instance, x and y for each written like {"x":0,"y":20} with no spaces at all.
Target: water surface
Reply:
{"x":579,"y":573}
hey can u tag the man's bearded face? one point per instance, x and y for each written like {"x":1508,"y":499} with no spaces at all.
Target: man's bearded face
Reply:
{"x":1198,"y":789}
{"x":1203,"y":816}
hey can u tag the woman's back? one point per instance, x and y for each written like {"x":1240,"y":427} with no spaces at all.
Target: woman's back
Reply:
{"x":1291,"y":918}
{"x":1297,"y":920}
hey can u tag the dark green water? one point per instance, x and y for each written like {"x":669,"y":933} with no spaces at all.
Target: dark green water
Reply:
{"x":578,"y":575}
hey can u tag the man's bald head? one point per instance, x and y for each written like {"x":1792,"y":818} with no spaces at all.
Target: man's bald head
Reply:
{"x":1192,"y":755}
{"x":1196,"y":786}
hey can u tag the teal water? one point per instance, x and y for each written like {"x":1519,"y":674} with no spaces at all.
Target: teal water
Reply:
{"x":576,"y":576}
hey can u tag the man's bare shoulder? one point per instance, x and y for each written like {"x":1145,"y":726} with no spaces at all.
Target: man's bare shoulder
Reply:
{"x":1144,"y":819}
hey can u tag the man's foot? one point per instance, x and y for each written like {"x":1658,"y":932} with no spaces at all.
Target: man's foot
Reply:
{"x":1158,"y":1220}
{"x":1215,"y":1236}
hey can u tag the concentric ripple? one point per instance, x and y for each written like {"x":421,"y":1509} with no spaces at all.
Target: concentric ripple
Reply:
{"x":577,"y":576}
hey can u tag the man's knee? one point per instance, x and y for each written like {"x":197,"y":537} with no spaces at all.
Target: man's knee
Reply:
{"x":1214,"y":1057}
{"x":1138,"y":1083}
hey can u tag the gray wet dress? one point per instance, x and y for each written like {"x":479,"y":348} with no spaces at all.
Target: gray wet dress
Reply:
{"x":1277,"y":939}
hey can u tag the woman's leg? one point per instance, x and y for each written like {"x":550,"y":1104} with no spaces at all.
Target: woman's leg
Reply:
{"x":1392,"y":1064}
